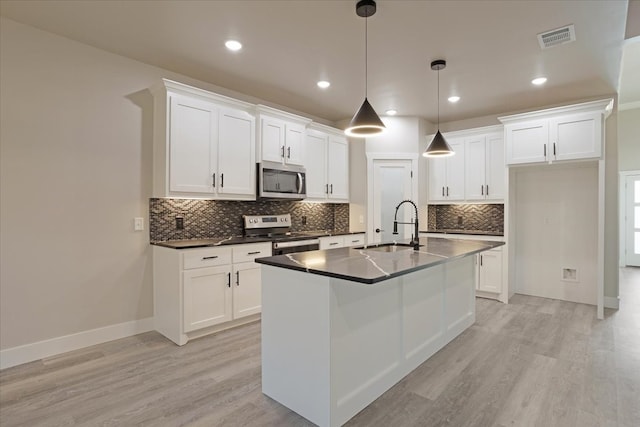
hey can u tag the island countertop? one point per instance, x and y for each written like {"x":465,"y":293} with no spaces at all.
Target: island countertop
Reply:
{"x":369,"y":265}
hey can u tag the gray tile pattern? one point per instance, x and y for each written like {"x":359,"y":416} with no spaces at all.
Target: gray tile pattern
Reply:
{"x":489,"y":217}
{"x":221,"y":218}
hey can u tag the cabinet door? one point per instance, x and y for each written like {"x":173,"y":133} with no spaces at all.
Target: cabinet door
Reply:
{"x":192,"y":145}
{"x":236,"y":148}
{"x":455,"y":171}
{"x":294,"y":144}
{"x":338,"y":168}
{"x":247,"y":289}
{"x":490,"y":277}
{"x":527,"y":142}
{"x":437,"y":179}
{"x":495,"y":171}
{"x":272,"y":139}
{"x":206,"y":297}
{"x":475,"y":182}
{"x":316,"y":165}
{"x":578,"y":136}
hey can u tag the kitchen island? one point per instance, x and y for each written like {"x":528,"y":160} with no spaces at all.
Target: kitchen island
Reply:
{"x":341,"y":326}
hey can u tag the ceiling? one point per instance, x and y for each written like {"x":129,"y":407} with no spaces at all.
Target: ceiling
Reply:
{"x":490,"y":46}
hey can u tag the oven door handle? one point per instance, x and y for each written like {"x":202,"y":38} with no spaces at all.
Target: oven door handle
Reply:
{"x":299,"y":183}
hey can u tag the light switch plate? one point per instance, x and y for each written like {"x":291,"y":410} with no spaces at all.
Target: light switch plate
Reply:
{"x":138,"y":224}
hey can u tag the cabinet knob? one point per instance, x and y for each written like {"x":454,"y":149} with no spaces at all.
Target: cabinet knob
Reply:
{"x":378,"y":230}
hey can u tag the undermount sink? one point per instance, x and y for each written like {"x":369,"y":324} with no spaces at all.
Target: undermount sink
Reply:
{"x":388,"y":247}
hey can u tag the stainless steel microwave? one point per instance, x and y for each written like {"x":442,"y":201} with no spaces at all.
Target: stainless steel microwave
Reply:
{"x":278,"y":181}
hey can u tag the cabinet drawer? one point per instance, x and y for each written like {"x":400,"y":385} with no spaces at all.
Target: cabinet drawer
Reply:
{"x":207,"y":257}
{"x":246,"y":253}
{"x":354,"y":240}
{"x":331,"y":242}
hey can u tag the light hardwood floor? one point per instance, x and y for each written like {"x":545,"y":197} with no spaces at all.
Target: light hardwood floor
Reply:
{"x":534,"y":362}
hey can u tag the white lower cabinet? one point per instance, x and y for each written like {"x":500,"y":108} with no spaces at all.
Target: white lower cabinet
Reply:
{"x":490,"y":271}
{"x":343,"y":241}
{"x":204,"y":290}
{"x":207,"y":297}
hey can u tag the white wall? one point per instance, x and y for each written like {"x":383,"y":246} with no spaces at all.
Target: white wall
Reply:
{"x":556,"y":228}
{"x":75,"y":169}
{"x":629,"y":140}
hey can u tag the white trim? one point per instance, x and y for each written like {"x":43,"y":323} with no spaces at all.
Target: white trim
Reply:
{"x":629,"y":106}
{"x":603,"y":105}
{"x":600,"y":249}
{"x":612,"y":302}
{"x":39,"y":350}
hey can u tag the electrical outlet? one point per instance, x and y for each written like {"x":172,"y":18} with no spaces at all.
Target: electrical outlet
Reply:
{"x":138,"y":224}
{"x":304,"y":220}
{"x":459,"y":220}
{"x":179,"y":223}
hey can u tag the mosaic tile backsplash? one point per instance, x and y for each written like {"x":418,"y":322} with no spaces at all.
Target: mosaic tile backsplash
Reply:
{"x":220,"y":218}
{"x":466,"y":217}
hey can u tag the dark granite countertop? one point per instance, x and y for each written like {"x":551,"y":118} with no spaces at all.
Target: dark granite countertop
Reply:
{"x":370,"y":266}
{"x":461,"y":231}
{"x":239,"y":240}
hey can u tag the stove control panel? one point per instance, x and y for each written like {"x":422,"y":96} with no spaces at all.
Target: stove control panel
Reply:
{"x":267,"y":221}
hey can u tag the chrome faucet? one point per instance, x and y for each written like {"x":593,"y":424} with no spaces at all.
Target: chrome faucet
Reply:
{"x":415,"y":241}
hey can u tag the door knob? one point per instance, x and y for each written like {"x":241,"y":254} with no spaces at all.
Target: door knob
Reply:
{"x":378,"y":230}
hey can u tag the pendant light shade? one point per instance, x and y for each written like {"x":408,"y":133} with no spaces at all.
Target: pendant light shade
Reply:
{"x":438,"y":146}
{"x":366,"y":122}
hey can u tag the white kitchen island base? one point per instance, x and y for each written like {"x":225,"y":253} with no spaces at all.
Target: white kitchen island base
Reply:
{"x":330,"y":346}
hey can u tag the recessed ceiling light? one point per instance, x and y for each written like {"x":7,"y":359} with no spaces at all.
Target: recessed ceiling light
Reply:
{"x":539,"y":81}
{"x":391,"y":112}
{"x":323,"y":84}
{"x":454,"y":98}
{"x":233,"y":45}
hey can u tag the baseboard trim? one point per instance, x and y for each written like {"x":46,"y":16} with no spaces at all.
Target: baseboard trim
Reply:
{"x":612,"y":302}
{"x":29,"y":352}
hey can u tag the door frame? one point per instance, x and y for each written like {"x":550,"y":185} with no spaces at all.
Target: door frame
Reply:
{"x":388,"y":156}
{"x":622,"y":223}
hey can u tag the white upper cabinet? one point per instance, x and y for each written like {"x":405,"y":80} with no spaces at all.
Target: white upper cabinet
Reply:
{"x":327,"y":164}
{"x":204,"y":144}
{"x":485,"y":167}
{"x":281,"y":136}
{"x":573,"y":132}
{"x":192,"y":145}
{"x":446,"y":174}
{"x":475,"y":173}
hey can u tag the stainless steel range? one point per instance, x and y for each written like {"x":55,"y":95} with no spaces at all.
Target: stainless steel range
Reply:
{"x":278,"y":228}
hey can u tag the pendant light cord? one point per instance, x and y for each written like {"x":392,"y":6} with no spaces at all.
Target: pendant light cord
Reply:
{"x":438,"y":100}
{"x":366,"y":56}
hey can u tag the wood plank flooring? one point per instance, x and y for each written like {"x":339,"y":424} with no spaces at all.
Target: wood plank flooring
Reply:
{"x":534,"y":362}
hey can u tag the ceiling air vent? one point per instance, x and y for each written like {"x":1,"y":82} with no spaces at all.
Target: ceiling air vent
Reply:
{"x":557,"y":37}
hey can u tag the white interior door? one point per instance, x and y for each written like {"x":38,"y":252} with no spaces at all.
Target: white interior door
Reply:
{"x":632,"y":228}
{"x":391,"y":185}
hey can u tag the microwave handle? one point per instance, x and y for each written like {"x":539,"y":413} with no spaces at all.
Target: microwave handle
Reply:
{"x":299,"y":183}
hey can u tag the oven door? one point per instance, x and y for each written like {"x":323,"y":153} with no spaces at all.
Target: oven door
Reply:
{"x":282,"y":248}
{"x":276,"y":181}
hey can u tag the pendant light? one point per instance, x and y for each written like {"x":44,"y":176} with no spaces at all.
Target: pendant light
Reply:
{"x":365,"y":122}
{"x":438,"y":146}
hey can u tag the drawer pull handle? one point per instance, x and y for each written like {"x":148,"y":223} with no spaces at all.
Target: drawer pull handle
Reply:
{"x":237,"y":278}
{"x":355,"y":241}
{"x":209,"y":257}
{"x":333,"y":244}
{"x":229,"y":279}
{"x":253,"y":253}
